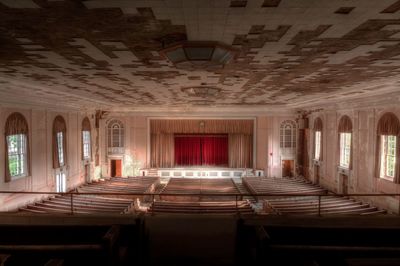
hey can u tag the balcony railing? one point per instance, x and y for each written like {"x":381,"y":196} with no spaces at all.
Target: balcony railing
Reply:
{"x":238,"y":196}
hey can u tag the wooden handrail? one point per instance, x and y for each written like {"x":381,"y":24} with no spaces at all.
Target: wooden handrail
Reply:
{"x":204,"y":194}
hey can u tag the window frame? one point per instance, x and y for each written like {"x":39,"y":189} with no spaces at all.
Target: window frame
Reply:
{"x":21,"y":153}
{"x":86,"y":144}
{"x":17,"y":125}
{"x":115,"y":137}
{"x":345,"y":139}
{"x":317,"y":145}
{"x":290,"y":138}
{"x":60,"y":148}
{"x":384,"y":153}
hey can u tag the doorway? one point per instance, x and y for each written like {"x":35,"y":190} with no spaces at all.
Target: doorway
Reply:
{"x":87,"y":173}
{"x":316,"y":174}
{"x":345,"y":184}
{"x":116,"y":168}
{"x":287,"y":168}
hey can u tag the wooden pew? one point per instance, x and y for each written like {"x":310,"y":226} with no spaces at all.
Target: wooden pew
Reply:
{"x":75,"y":245}
{"x":240,"y":207}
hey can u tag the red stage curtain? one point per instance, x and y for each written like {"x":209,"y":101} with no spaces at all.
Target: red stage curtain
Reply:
{"x":201,"y":150}
{"x":187,"y":151}
{"x":215,"y":150}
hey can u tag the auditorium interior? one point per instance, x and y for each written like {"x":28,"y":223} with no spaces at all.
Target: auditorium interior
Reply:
{"x":200,"y":132}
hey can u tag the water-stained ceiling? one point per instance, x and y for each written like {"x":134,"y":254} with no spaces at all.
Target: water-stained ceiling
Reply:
{"x":104,"y":54}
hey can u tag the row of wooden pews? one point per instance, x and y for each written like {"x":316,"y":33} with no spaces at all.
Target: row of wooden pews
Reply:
{"x":263,"y":185}
{"x":218,"y":186}
{"x":122,"y":185}
{"x":60,"y":245}
{"x":97,"y":204}
{"x":201,"y":204}
{"x":201,"y":207}
{"x":82,"y":204}
{"x":304,"y":205}
{"x":352,"y":240}
{"x":330,"y":205}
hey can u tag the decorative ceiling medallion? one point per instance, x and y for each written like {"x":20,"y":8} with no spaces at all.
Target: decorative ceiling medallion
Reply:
{"x":201,"y":91}
{"x":199,"y":54}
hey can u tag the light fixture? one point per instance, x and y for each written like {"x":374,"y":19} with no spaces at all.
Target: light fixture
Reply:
{"x":199,"y":54}
{"x":201,"y":91}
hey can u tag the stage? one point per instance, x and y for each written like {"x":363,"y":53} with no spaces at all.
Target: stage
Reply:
{"x":201,"y":172}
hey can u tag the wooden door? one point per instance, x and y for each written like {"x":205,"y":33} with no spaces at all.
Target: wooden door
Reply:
{"x":316,"y":174}
{"x":287,"y":168}
{"x":87,"y":173}
{"x":118,"y":168}
{"x":345,"y":184}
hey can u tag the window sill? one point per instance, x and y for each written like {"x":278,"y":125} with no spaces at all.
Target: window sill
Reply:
{"x":14,"y":178}
{"x":389,"y":179}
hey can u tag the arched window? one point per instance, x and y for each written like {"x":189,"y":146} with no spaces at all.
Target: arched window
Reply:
{"x":288,"y":134}
{"x":318,"y":139}
{"x":59,"y":142}
{"x":115,"y":137}
{"x":17,"y":147}
{"x":387,"y":148}
{"x":345,"y":142}
{"x":86,"y":139}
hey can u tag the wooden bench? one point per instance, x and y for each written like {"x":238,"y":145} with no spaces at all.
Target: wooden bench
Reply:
{"x":231,"y":207}
{"x":33,"y":245}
